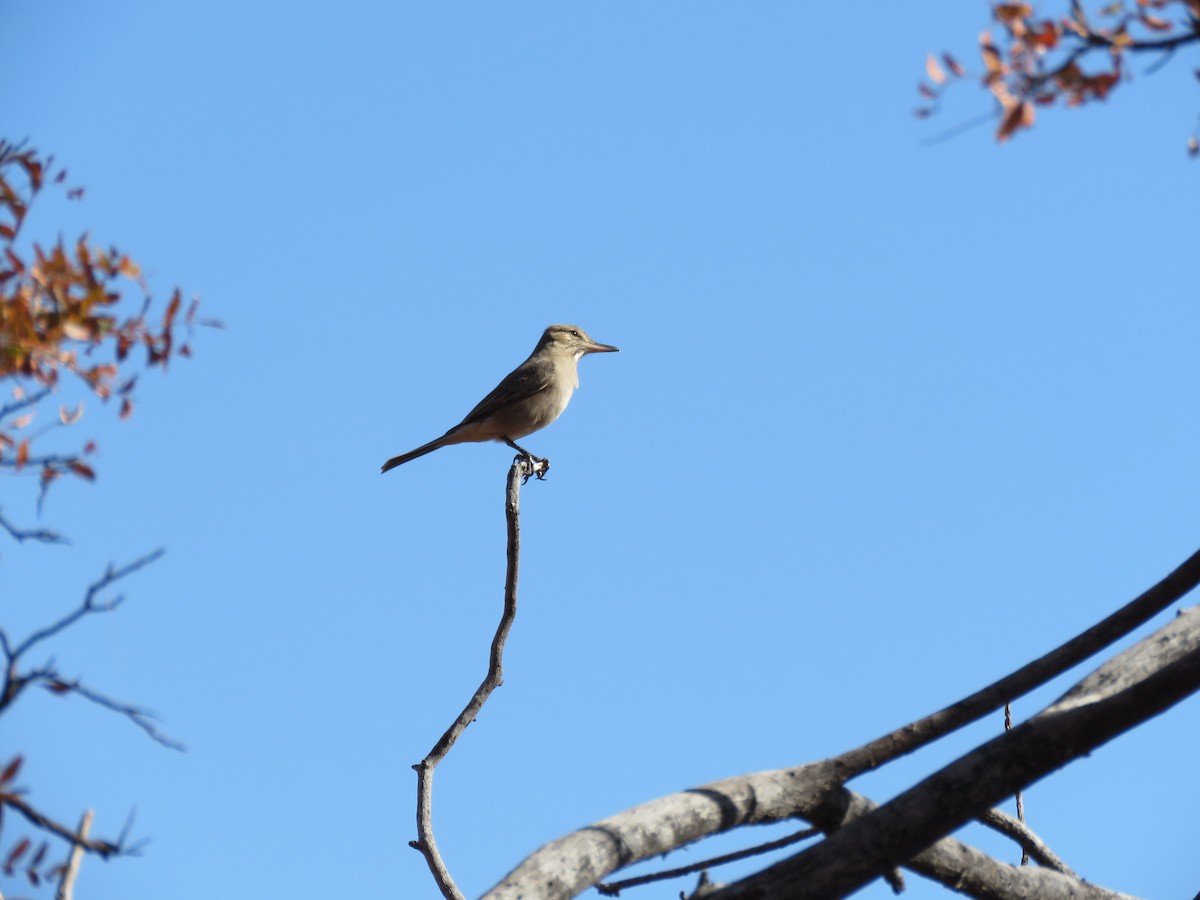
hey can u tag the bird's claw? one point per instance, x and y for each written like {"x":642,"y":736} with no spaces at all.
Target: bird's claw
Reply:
{"x":532,"y":465}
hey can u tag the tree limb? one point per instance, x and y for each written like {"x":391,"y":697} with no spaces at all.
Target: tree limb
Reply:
{"x":518,"y":473}
{"x":565,"y":867}
{"x":1133,"y":686}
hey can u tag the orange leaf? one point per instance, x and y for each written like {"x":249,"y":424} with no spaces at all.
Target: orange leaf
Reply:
{"x":23,"y":421}
{"x":1020,"y":115}
{"x":1011,"y":12}
{"x":22,"y":454}
{"x":1154,"y":23}
{"x":953,"y":65}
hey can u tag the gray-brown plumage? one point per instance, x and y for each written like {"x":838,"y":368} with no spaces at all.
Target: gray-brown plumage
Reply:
{"x":530,"y":397}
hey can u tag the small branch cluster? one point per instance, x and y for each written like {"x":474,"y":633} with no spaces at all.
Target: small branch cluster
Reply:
{"x":1037,"y":62}
{"x":22,"y":856}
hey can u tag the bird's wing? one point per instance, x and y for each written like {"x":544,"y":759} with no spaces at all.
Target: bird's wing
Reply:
{"x":531,"y":377}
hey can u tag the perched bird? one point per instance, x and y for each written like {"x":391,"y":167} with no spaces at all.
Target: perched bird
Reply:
{"x":530,"y":397}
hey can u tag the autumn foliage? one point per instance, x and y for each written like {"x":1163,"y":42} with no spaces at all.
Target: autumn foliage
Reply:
{"x":77,"y":321}
{"x":1030,"y":60}
{"x":65,"y":313}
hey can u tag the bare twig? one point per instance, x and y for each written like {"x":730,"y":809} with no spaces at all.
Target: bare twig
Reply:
{"x":142,"y":718}
{"x":103,"y":849}
{"x":520,"y":472}
{"x":1031,"y":845}
{"x":89,"y":604}
{"x":613,"y":888}
{"x":24,"y":402}
{"x":20,"y":535}
{"x":1019,"y":796}
{"x":66,"y":884}
{"x":15,"y":681}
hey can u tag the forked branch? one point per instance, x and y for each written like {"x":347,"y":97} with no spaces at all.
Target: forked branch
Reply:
{"x":522,"y":468}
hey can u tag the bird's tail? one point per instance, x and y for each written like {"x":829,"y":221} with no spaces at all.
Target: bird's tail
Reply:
{"x":413,"y":454}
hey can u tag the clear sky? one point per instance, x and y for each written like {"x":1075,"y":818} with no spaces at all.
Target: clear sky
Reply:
{"x":889,"y":421}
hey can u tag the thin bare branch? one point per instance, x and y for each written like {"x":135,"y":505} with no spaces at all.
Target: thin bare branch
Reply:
{"x":613,"y":888}
{"x":1029,"y":842}
{"x":66,"y":884}
{"x":520,"y":471}
{"x":103,"y":849}
{"x":142,"y":718}
{"x":20,"y":535}
{"x":89,"y":605}
{"x":26,"y":401}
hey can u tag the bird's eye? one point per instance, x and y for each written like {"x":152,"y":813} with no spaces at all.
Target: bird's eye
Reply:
{"x":574,"y":332}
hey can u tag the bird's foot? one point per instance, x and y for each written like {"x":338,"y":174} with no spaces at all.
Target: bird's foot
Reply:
{"x":532,"y":465}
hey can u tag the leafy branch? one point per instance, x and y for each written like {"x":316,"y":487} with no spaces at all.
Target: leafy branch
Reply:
{"x":1038,"y":62}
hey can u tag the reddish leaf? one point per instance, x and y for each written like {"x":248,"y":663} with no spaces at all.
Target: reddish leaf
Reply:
{"x":172,"y":309}
{"x":7,"y":233}
{"x":126,"y":408}
{"x":926,"y":91}
{"x":89,"y":448}
{"x":1193,"y":146}
{"x":16,"y":853}
{"x":953,"y":65}
{"x":83,"y":470}
{"x":22,"y":453}
{"x":11,"y":770}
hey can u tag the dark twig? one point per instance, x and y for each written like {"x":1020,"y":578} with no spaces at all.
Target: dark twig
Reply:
{"x":20,"y":535}
{"x":520,"y":471}
{"x":104,"y":849}
{"x":1019,"y":796}
{"x":89,"y":604}
{"x":613,"y":888}
{"x":142,"y":718}
{"x":24,"y":402}
{"x":15,"y":681}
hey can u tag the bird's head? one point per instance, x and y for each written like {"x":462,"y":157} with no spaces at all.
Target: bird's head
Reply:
{"x":573,"y":340}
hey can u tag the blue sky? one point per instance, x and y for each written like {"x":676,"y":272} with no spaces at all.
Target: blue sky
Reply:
{"x":889,"y":420}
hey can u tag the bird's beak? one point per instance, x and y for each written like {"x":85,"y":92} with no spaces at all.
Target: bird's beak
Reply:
{"x":596,"y":347}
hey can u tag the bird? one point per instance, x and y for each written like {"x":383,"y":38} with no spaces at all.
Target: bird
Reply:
{"x":529,"y":398}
